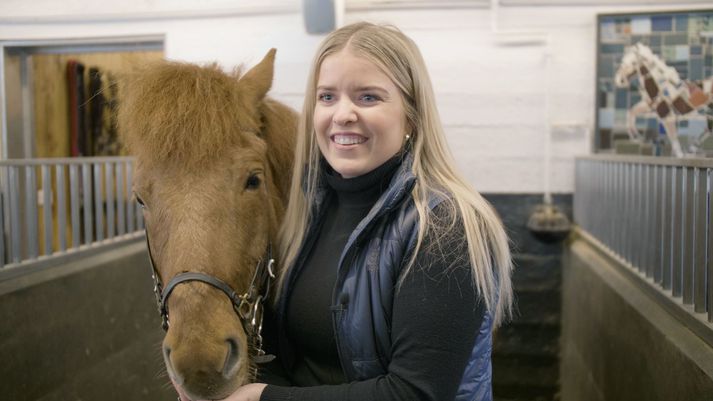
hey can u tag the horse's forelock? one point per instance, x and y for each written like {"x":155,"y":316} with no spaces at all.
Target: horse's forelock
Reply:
{"x":184,"y":113}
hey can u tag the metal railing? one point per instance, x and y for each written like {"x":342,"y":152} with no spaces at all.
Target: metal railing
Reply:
{"x":51,"y":207}
{"x":654,"y":214}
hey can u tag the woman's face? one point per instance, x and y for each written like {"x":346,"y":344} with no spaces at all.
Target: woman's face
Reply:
{"x":359,"y":117}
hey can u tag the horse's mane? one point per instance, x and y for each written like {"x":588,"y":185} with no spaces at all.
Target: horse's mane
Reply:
{"x":648,"y":54}
{"x":177,"y":112}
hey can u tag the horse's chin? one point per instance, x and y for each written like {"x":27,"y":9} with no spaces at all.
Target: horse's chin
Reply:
{"x":241,"y":379}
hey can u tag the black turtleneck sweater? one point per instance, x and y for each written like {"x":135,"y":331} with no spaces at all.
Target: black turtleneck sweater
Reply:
{"x":436,"y":313}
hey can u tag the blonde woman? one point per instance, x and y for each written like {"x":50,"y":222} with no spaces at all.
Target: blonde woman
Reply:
{"x":396,"y":270}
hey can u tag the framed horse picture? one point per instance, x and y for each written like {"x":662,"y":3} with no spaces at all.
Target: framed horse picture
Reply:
{"x":654,"y":83}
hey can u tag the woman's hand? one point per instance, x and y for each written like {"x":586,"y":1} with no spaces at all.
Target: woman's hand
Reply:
{"x":248,"y":392}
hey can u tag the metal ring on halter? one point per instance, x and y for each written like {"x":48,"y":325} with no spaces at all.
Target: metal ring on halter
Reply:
{"x":255,"y":307}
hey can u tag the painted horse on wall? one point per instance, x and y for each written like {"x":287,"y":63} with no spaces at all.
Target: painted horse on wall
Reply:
{"x":663,"y":93}
{"x":213,"y":164}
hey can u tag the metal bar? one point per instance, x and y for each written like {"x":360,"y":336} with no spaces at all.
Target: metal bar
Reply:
{"x":120,"y":199}
{"x":688,"y":240}
{"x":637,"y":233}
{"x":618,"y":210}
{"x":615,"y":205}
{"x":14,"y":194}
{"x":47,"y":207}
{"x":600,"y":212}
{"x":74,"y":203}
{"x":87,"y":202}
{"x":699,"y":251}
{"x":3,"y":212}
{"x":63,"y":160}
{"x":655,"y":160}
{"x":709,"y":252}
{"x":628,"y":210}
{"x":632,"y":214}
{"x":650,"y":219}
{"x":109,"y":200}
{"x":667,"y":265}
{"x":130,"y":219}
{"x":61,"y":208}
{"x":678,"y":234}
{"x":31,"y":211}
{"x":98,"y":203}
{"x":593,"y":189}
{"x":658,"y":242}
{"x":611,"y":203}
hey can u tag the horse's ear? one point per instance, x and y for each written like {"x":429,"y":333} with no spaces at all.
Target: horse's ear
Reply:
{"x":258,"y":80}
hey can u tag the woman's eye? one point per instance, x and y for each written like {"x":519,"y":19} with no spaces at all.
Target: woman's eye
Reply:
{"x":369,"y":98}
{"x":253,"y":182}
{"x":325,"y":97}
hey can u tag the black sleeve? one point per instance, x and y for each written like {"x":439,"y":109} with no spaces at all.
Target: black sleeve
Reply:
{"x":436,"y":317}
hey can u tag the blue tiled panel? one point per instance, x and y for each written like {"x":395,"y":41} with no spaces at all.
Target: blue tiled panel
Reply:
{"x":696,"y":50}
{"x":681,"y":23}
{"x":696,"y":69}
{"x":692,"y":127}
{"x":652,"y":123}
{"x":655,"y":40}
{"x":662,"y":23}
{"x":606,"y":66}
{"x":609,"y":49}
{"x":709,"y":60}
{"x":644,"y":40}
{"x":641,"y":122}
{"x":621,"y":99}
{"x":677,"y":39}
{"x":606,"y":118}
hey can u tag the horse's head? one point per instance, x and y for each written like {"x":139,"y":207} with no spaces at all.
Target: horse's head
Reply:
{"x":627,"y":67}
{"x":209,"y":148}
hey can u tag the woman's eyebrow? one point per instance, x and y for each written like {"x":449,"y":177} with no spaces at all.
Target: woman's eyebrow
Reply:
{"x":358,"y":89}
{"x":371,"y":88}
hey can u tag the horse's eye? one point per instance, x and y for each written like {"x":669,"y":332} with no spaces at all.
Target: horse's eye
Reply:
{"x":253,"y":182}
{"x":140,"y":201}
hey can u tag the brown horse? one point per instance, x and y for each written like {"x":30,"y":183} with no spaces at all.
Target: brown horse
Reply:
{"x":213,"y":164}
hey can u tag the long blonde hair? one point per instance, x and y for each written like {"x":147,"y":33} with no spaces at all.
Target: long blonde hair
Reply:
{"x":433,"y":165}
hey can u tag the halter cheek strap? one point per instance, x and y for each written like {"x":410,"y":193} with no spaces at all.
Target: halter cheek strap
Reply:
{"x":248,"y":306}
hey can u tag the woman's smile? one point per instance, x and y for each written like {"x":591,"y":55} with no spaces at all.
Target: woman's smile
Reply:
{"x":348,"y":139}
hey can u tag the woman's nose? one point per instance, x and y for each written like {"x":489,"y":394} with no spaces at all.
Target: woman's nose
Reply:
{"x":344,"y":113}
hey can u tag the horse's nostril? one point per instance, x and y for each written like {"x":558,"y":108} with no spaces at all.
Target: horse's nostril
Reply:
{"x":231,"y":359}
{"x":167,"y":356}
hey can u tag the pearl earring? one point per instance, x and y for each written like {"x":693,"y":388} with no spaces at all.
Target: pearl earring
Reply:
{"x":408,"y":137}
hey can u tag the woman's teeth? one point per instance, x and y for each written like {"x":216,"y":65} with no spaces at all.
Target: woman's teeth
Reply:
{"x":348,"y":139}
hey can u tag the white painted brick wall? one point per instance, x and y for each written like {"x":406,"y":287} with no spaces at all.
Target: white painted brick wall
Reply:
{"x":492,"y":97}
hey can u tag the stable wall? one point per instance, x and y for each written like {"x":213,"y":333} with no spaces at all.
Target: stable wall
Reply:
{"x":491,"y":92}
{"x":618,"y":343}
{"x":85,"y":330}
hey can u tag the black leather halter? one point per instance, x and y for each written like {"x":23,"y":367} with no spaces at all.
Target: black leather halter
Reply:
{"x":248,"y":306}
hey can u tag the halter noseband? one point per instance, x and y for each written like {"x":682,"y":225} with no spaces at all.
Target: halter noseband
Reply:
{"x":248,"y":306}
